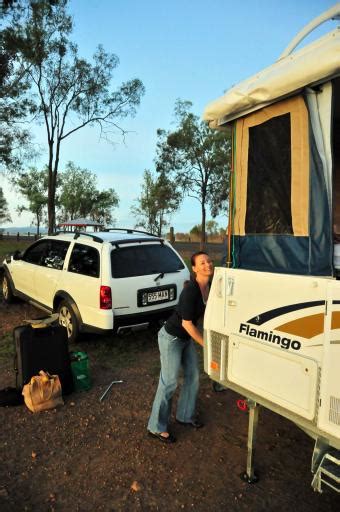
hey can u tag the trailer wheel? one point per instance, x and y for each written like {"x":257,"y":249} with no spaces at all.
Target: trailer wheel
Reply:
{"x":217,"y":387}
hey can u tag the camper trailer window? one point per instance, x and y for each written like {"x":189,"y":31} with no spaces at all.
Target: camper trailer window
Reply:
{"x":269,"y":177}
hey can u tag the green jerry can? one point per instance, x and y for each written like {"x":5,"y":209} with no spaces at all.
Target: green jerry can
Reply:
{"x":80,"y":371}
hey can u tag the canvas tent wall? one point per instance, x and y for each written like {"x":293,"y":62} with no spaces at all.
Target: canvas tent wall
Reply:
{"x":282,"y":216}
{"x":284,"y":122}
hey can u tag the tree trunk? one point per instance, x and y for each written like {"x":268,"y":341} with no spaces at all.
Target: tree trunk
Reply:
{"x":203,"y":240}
{"x":51,"y":190}
{"x":38,"y":224}
{"x":160,"y":224}
{"x":52,"y":184}
{"x":51,"y":202}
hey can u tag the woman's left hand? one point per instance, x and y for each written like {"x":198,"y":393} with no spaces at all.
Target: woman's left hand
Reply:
{"x":193,"y":331}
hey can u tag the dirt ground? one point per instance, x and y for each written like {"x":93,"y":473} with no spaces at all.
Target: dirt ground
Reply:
{"x":88,"y":455}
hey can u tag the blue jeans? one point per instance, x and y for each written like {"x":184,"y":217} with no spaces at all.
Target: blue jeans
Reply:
{"x":175,"y":353}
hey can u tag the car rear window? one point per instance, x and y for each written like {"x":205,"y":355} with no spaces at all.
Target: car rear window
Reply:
{"x":144,"y":260}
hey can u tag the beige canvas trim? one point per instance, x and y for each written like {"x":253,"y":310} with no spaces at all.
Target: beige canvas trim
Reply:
{"x":314,"y":62}
{"x":241,"y":173}
{"x":299,"y":161}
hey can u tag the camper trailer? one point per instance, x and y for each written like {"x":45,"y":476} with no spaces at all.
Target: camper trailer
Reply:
{"x":272,"y":322}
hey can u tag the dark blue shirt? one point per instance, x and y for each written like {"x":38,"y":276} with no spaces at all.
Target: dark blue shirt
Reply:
{"x":190,"y":307}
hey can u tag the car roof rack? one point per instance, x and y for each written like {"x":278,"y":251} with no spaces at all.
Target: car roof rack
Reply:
{"x":95,"y":238}
{"x":137,"y":240}
{"x":83,"y":233}
{"x":130,"y":230}
{"x":76,"y":234}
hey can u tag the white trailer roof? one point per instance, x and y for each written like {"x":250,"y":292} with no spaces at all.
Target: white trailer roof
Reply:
{"x":312,"y":64}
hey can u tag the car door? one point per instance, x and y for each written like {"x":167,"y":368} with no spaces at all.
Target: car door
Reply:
{"x":23,"y":270}
{"x":49,"y":272}
{"x":82,"y":281}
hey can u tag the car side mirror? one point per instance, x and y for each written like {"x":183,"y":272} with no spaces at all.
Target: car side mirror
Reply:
{"x":17,"y":255}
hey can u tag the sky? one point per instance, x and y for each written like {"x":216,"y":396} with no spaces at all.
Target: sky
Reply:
{"x":193,"y":50}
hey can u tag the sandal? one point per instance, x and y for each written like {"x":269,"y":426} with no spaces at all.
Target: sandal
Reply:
{"x":169,"y":439}
{"x":192,"y":423}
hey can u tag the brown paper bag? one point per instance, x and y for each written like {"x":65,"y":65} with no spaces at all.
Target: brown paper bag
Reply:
{"x":43,"y":392}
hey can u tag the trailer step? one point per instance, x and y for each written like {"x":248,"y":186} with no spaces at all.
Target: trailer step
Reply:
{"x":328,"y":472}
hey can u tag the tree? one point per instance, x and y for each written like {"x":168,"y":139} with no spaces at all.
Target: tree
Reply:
{"x":79,"y":196}
{"x":66,"y":92}
{"x":159,"y":198}
{"x":15,"y":138}
{"x":197,"y":158}
{"x":76,"y":191}
{"x":103,"y":203}
{"x":211,"y":227}
{"x":4,"y":213}
{"x":196,"y":231}
{"x":33,"y":186}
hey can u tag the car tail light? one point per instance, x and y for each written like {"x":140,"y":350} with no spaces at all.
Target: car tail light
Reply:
{"x":105,"y":297}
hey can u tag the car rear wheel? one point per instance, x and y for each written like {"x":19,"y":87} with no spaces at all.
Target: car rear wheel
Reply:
{"x":68,"y":319}
{"x":7,"y":290}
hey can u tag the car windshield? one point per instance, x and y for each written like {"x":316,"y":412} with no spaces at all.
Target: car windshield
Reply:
{"x":144,"y":260}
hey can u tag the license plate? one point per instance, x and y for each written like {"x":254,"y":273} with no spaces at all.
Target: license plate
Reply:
{"x":158,"y":296}
{"x":154,"y":296}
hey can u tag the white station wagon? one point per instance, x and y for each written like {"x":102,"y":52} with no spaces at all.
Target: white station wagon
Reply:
{"x":98,"y":282}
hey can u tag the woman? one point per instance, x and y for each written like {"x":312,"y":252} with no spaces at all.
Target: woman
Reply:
{"x":176,"y":345}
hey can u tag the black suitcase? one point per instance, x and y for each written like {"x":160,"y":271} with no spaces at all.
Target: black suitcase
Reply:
{"x":44,"y":348}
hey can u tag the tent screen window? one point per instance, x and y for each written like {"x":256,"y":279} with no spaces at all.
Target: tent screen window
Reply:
{"x":269,"y":177}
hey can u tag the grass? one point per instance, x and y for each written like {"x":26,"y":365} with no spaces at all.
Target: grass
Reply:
{"x":7,"y":347}
{"x":121,"y":351}
{"x":10,"y":246}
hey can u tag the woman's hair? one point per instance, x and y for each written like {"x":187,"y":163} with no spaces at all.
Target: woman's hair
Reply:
{"x":193,"y":257}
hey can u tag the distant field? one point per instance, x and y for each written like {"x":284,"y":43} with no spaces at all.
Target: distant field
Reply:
{"x":10,"y":246}
{"x":185,"y":249}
